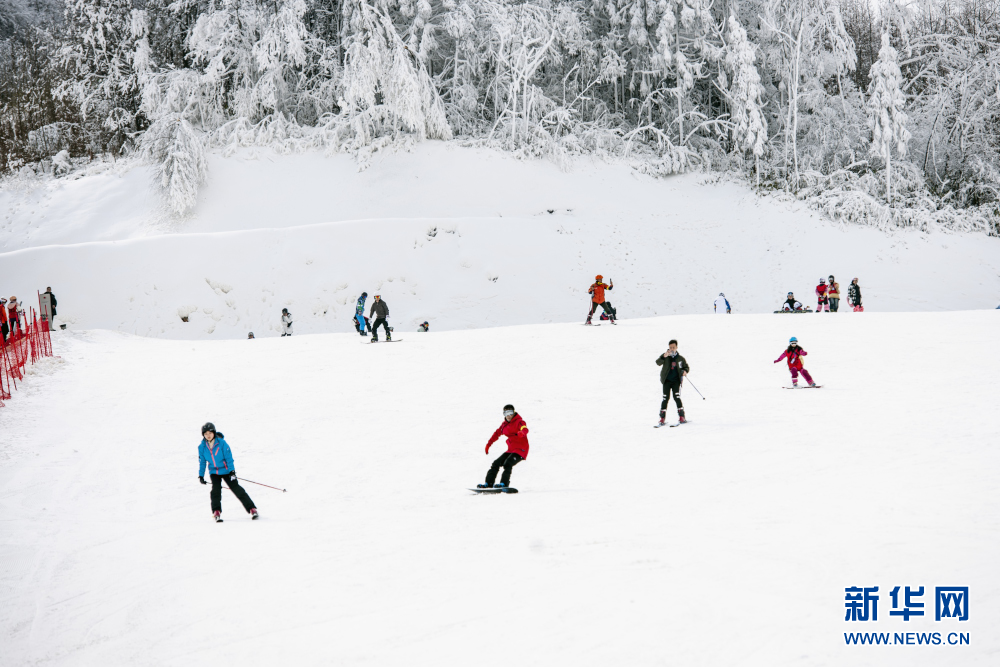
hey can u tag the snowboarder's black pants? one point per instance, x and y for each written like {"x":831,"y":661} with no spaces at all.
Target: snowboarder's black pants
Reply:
{"x":675,"y":388}
{"x":507,"y":461}
{"x":380,"y":321}
{"x":234,"y":486}
{"x":607,"y":309}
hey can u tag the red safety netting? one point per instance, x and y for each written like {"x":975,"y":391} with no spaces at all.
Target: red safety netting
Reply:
{"x":28,"y":341}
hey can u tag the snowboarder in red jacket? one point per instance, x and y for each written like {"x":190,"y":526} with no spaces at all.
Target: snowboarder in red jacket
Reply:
{"x":794,"y":355}
{"x":822,"y":297}
{"x":517,"y":448}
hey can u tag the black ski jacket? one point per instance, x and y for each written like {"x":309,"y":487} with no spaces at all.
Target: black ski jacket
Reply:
{"x":854,"y":294}
{"x":676,"y":366}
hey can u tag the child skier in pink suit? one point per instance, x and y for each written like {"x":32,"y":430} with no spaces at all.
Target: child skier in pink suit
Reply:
{"x":822,"y":296}
{"x":794,"y":355}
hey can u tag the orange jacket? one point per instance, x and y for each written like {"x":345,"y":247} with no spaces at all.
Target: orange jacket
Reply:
{"x":597,"y":289}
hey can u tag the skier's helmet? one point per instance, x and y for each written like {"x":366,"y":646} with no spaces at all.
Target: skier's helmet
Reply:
{"x":790,"y":294}
{"x":365,"y":294}
{"x":822,"y":281}
{"x":508,"y":410}
{"x":284,"y":310}
{"x":793,"y":340}
{"x":598,"y":277}
{"x":721,"y":294}
{"x":209,"y":426}
{"x":831,"y":280}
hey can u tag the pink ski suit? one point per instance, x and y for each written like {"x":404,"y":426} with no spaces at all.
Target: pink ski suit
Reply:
{"x":794,"y":355}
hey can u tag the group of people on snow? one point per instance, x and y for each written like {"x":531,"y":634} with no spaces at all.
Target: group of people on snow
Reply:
{"x":362,"y":324}
{"x":827,"y":297}
{"x":12,"y":316}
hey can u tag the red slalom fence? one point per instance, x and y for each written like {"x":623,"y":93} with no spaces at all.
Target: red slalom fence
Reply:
{"x":28,"y":341}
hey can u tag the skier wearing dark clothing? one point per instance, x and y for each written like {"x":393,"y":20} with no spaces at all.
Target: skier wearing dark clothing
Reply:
{"x":360,"y":321}
{"x":516,"y":430}
{"x":380,"y":311}
{"x":854,"y":296}
{"x":673,"y":368}
{"x":597,"y":290}
{"x":214,"y":453}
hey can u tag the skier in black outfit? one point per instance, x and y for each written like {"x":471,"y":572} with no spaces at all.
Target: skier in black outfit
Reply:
{"x":380,"y":311}
{"x":673,"y":368}
{"x":854,"y":296}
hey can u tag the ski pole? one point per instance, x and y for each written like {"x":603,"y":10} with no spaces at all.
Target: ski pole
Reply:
{"x":695,"y":388}
{"x":243,"y":479}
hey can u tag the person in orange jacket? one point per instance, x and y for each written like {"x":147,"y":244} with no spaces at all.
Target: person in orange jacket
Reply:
{"x":597,"y":290}
{"x":516,"y":430}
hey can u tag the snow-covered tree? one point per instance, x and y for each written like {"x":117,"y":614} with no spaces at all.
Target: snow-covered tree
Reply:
{"x":178,"y":158}
{"x":749,"y":126}
{"x":886,"y":117}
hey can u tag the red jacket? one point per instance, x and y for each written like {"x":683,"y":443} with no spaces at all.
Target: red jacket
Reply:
{"x":517,"y":436}
{"x":794,"y":357}
{"x":597,"y":289}
{"x":821,"y":291}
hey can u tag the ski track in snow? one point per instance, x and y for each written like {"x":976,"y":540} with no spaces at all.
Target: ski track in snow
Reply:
{"x":726,"y":542}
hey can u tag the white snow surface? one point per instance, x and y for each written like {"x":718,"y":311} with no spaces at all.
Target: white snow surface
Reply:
{"x":728,"y":541}
{"x":461,"y":237}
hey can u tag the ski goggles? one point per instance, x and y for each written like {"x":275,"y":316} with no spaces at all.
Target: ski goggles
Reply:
{"x":508,"y":413}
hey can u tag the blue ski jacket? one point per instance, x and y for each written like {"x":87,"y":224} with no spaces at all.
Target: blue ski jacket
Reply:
{"x":360,"y":307}
{"x":219,"y":459}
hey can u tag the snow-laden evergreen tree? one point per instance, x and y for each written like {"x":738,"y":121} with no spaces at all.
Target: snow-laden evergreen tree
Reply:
{"x":386,"y":90}
{"x":177,"y":155}
{"x":251,"y":53}
{"x":749,"y":126}
{"x":886,"y":116}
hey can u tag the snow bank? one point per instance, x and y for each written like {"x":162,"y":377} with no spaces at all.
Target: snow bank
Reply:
{"x":463,"y":238}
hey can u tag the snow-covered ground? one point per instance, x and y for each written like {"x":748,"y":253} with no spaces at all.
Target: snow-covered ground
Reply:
{"x":726,"y":542}
{"x":464,"y":238}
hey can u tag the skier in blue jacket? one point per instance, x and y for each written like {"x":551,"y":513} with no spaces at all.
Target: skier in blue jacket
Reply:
{"x":214,"y":453}
{"x":360,"y":321}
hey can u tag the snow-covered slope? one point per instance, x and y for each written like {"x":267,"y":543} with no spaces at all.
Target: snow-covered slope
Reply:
{"x":460,"y":237}
{"x":726,"y":542}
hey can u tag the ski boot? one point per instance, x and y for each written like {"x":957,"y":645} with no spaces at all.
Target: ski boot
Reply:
{"x":663,"y":420}
{"x":501,"y":485}
{"x":374,"y":339}
{"x":217,"y":516}
{"x":253,"y":514}
{"x":483,"y":486}
{"x":681,"y":419}
{"x":812,"y":384}
{"x":388,"y":337}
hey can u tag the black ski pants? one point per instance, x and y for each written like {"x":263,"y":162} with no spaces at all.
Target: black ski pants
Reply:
{"x":234,"y":486}
{"x":671,"y":387}
{"x":380,"y":322}
{"x":607,"y":309}
{"x":507,"y":461}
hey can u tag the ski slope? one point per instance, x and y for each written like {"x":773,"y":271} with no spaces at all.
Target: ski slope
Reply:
{"x":725,"y":542}
{"x":464,"y":238}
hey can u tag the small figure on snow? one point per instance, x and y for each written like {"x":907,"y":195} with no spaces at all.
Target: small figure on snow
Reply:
{"x":516,"y":430}
{"x":791,"y":305}
{"x":833,"y":293}
{"x":4,"y":329}
{"x":854,"y":296}
{"x":794,"y":355}
{"x":673,"y":368}
{"x":286,"y":322}
{"x":424,"y":326}
{"x":821,"y":296}
{"x":597,"y":289}
{"x":52,"y":305}
{"x":722,"y":305}
{"x":214,"y":453}
{"x":360,"y":321}
{"x":13,"y":319}
{"x":250,"y":336}
{"x":380,"y":311}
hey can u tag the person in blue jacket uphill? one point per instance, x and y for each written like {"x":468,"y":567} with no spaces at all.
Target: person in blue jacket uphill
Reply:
{"x":360,"y":321}
{"x":214,"y":453}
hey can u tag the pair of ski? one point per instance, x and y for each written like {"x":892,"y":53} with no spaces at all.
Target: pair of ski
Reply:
{"x":494,"y":490}
{"x":658,"y":425}
{"x":394,"y":340}
{"x":591,"y":324}
{"x":805,"y":386}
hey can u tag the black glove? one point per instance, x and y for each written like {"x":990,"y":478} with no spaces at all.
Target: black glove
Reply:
{"x":202,"y":480}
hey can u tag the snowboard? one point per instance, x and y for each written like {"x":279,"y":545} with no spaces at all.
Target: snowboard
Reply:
{"x":591,"y":324}
{"x":805,"y":386}
{"x":793,"y":312}
{"x":394,"y":340}
{"x":494,"y":490}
